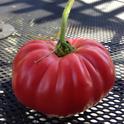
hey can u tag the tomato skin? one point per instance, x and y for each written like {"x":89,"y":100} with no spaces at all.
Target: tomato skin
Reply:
{"x":62,"y":85}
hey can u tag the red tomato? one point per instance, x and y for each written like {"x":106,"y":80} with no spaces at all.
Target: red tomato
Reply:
{"x":62,"y":85}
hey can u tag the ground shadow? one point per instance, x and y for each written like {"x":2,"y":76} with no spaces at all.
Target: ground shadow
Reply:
{"x":78,"y":13}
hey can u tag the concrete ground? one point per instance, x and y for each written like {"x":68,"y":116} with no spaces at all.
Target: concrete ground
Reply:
{"x":109,"y":6}
{"x":49,"y":7}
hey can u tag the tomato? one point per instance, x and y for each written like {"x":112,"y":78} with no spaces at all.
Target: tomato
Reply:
{"x":62,"y":85}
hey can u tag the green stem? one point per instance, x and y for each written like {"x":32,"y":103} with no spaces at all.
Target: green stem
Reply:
{"x":65,"y":16}
{"x":63,"y":47}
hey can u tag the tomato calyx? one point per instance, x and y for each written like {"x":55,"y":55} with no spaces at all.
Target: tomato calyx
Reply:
{"x":64,"y":48}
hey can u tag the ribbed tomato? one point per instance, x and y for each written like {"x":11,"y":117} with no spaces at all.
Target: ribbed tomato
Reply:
{"x":62,"y":85}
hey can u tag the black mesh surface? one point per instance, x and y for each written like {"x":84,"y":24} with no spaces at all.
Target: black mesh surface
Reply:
{"x":104,"y":28}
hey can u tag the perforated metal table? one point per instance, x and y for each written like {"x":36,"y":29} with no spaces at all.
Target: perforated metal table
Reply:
{"x":40,"y":20}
